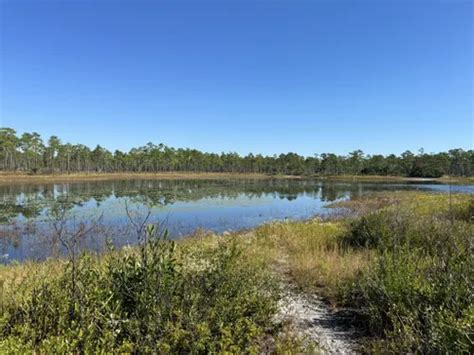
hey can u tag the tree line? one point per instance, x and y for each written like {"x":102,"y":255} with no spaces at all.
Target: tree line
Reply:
{"x":30,"y":153}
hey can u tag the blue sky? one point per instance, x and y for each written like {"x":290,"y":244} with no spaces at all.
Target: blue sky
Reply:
{"x":259,"y":76}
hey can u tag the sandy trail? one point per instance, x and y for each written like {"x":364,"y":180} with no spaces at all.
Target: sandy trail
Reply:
{"x":313,"y":320}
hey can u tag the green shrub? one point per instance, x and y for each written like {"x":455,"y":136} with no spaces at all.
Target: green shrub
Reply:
{"x":146,"y":301}
{"x":418,"y":293}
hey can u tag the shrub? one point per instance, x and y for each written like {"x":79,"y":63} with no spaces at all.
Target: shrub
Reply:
{"x":146,"y":300}
{"x":418,"y":294}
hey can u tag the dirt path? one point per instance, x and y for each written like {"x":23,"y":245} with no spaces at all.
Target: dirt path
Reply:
{"x":314,"y":321}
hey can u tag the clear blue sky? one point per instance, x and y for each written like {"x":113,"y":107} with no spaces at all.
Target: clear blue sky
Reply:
{"x":260,"y":76}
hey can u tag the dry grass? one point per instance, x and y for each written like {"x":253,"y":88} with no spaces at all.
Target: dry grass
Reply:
{"x":18,"y":280}
{"x":382,"y":178}
{"x":315,"y":260}
{"x":421,"y":202}
{"x":15,"y":178}
{"x":16,"y":273}
{"x":21,"y":177}
{"x":328,"y":272}
{"x":308,"y":252}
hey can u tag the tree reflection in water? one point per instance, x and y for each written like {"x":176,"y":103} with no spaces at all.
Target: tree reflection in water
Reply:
{"x":26,"y":210}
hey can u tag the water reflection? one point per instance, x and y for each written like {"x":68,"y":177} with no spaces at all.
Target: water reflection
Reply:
{"x":26,"y":211}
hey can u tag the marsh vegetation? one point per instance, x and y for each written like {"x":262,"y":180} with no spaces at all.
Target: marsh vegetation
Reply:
{"x":29,"y":211}
{"x":400,"y":261}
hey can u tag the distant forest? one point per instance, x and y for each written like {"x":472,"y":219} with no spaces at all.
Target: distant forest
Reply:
{"x":30,"y":153}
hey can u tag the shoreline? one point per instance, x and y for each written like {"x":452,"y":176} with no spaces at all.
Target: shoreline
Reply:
{"x":9,"y":178}
{"x":443,"y":180}
{"x":301,"y":264}
{"x":17,"y":178}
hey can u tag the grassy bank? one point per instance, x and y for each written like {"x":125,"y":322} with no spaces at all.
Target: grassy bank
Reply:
{"x":21,"y":178}
{"x":15,"y":178}
{"x":382,"y":178}
{"x":403,"y":261}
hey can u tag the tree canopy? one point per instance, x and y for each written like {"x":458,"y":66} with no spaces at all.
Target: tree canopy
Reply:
{"x":30,"y":153}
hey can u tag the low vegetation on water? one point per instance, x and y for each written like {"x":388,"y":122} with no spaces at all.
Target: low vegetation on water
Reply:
{"x":402,"y":261}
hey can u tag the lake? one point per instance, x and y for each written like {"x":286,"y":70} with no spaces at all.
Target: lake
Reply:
{"x":28,"y":211}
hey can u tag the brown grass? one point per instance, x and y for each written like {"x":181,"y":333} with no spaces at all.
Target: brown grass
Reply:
{"x":422,"y":202}
{"x":22,"y":177}
{"x":311,"y":250}
{"x":306,"y":253}
{"x":381,"y":178}
{"x":14,"y":178}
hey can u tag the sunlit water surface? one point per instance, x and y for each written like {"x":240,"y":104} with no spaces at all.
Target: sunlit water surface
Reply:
{"x":28,"y":211}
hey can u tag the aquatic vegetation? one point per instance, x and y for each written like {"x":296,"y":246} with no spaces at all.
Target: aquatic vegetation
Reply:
{"x":402,"y":262}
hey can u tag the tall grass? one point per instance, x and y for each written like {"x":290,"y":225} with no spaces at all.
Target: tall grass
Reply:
{"x":314,"y":256}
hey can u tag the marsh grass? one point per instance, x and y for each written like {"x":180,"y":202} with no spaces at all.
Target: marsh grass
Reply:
{"x":315,"y":258}
{"x":402,"y":260}
{"x":19,"y":177}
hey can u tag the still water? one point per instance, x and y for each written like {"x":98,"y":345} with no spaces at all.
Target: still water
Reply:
{"x":28,"y":211}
